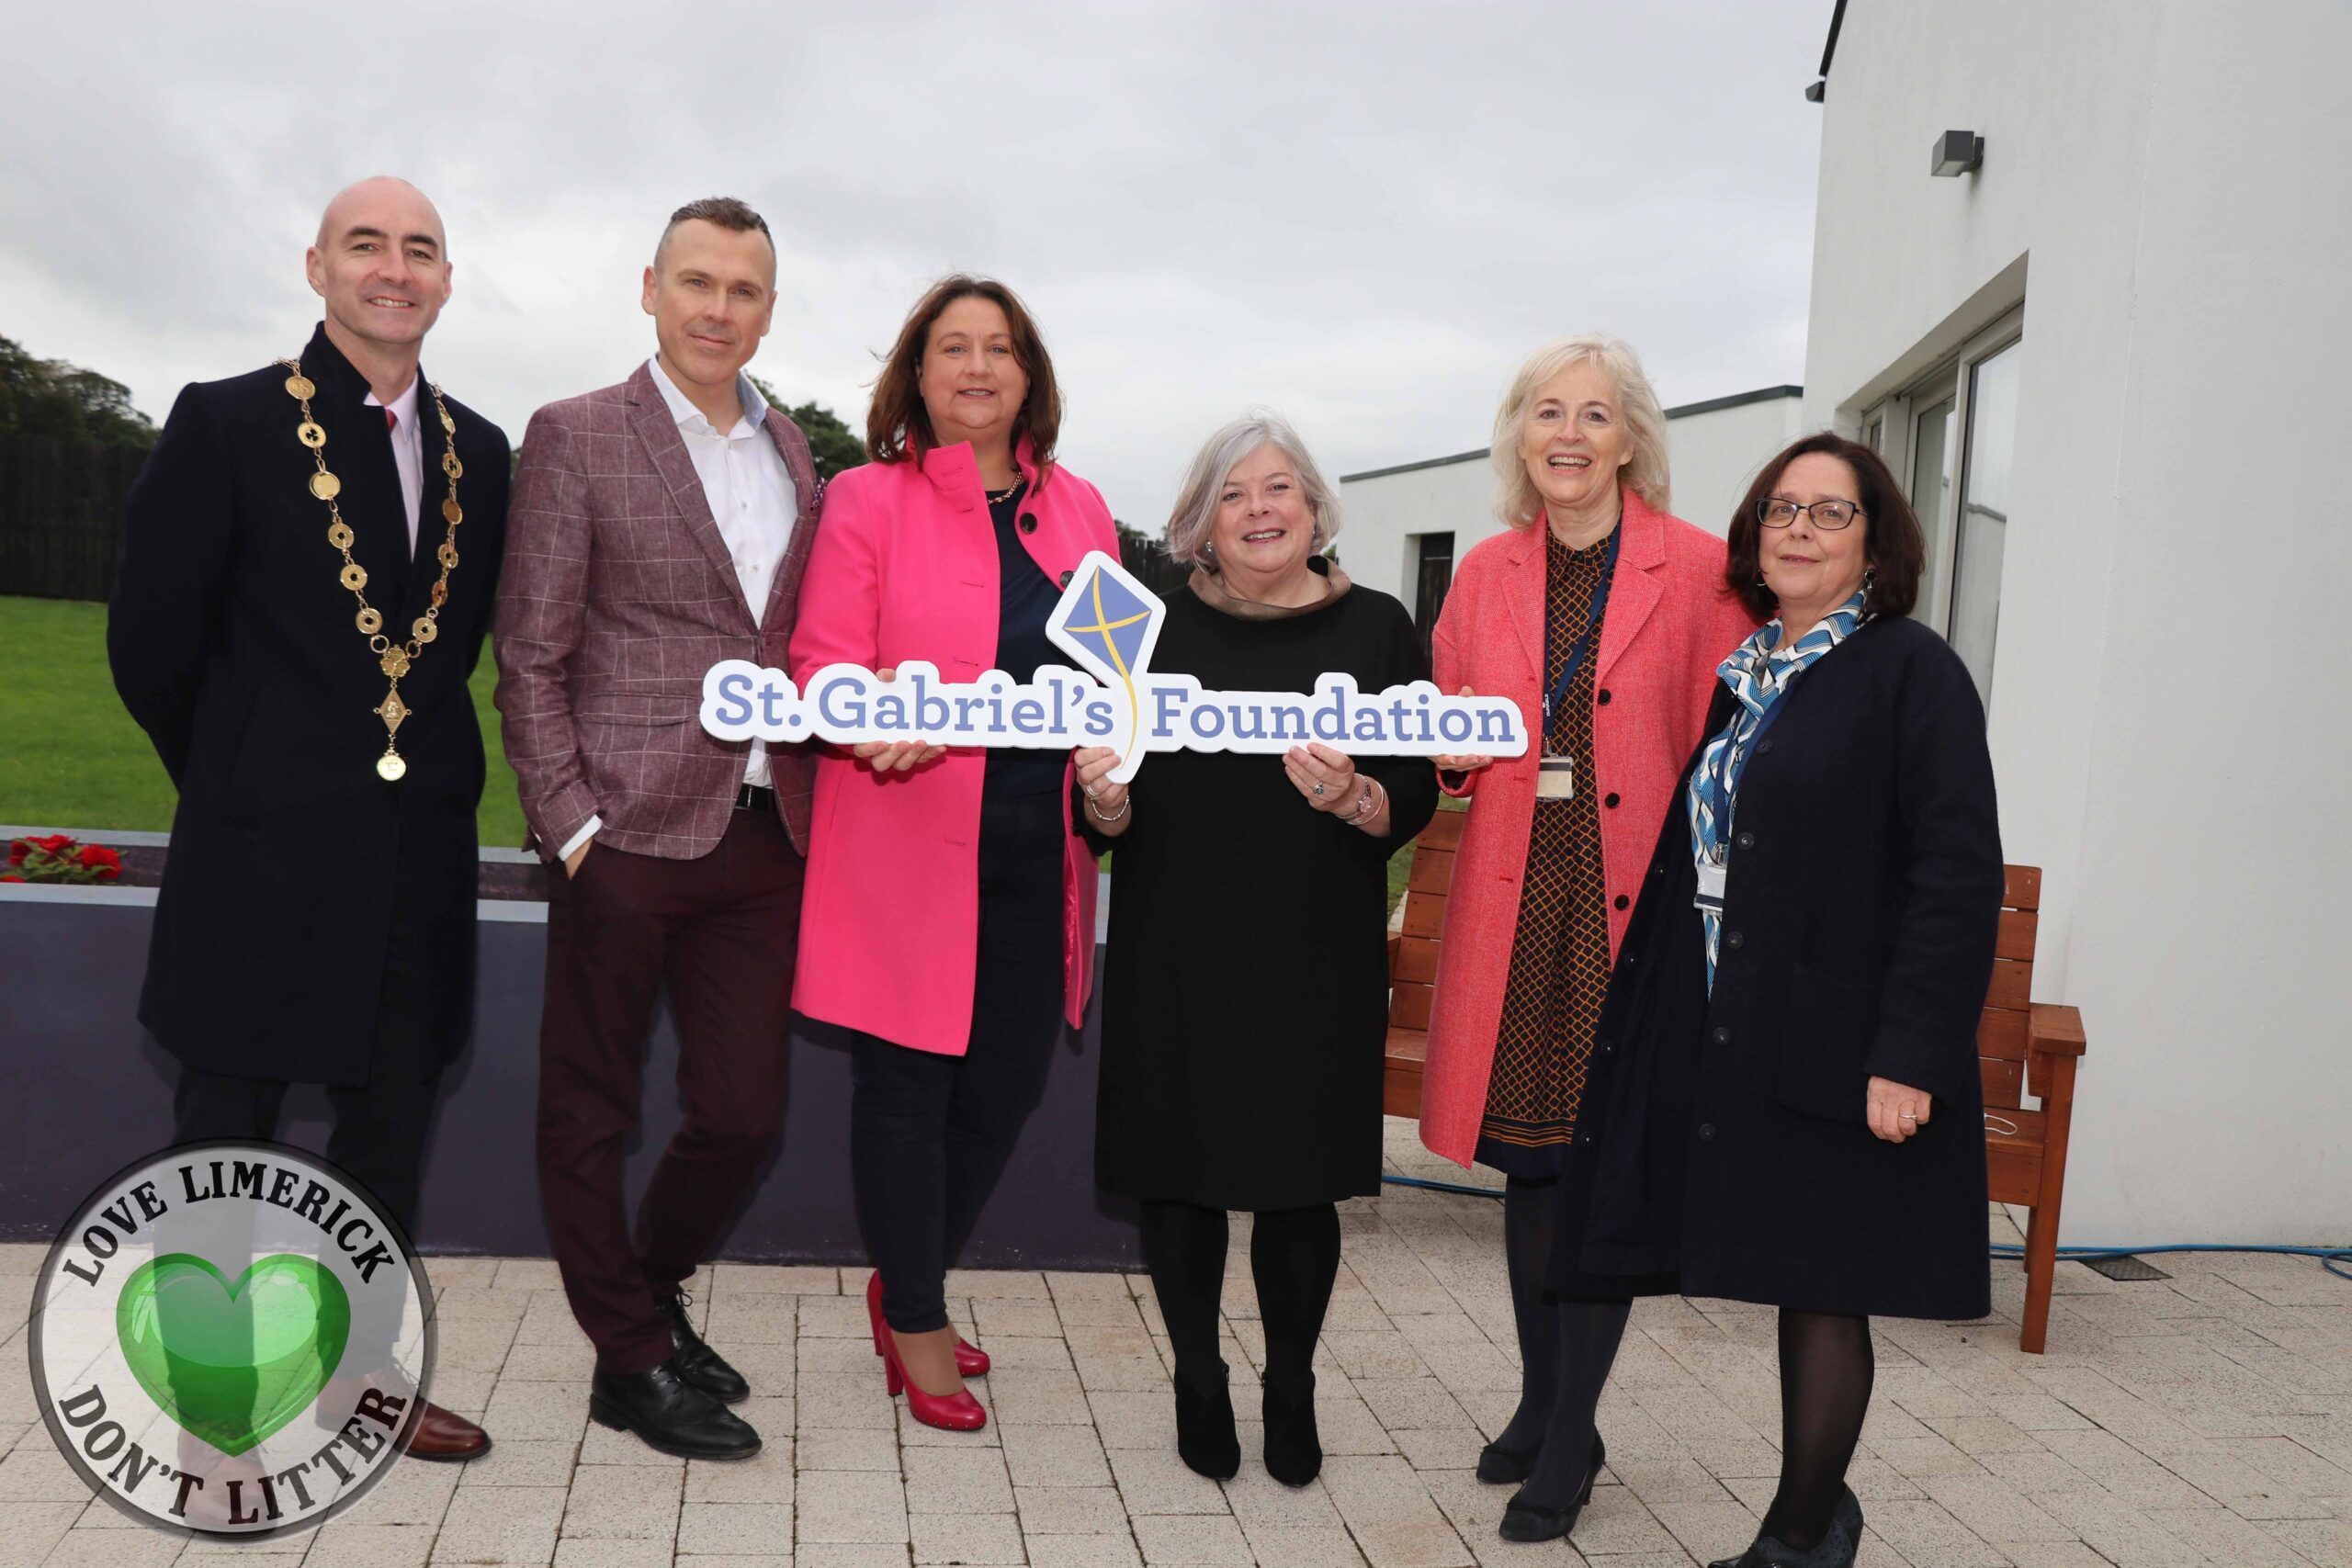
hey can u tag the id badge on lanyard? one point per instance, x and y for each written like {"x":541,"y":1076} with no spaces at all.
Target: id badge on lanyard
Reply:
{"x":1714,"y":874}
{"x":1555,"y":777}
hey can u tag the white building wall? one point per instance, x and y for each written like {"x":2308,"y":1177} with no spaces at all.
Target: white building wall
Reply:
{"x":1711,"y":454}
{"x":2164,"y":190}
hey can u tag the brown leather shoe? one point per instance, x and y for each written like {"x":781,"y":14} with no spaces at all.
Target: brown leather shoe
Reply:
{"x":441,"y":1435}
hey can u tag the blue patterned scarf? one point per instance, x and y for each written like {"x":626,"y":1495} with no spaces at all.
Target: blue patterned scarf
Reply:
{"x":1759,"y":673}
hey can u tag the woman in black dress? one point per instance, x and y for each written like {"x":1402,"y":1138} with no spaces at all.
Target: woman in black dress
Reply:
{"x":1795,"y":1103}
{"x":1245,"y":986}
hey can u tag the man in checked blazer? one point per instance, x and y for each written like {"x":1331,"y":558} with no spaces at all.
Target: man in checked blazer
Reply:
{"x":658,"y":526}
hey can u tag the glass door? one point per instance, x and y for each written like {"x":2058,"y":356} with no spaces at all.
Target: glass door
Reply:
{"x":1985,"y":511}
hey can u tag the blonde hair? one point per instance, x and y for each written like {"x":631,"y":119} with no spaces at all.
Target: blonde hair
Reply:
{"x":1193,"y":518}
{"x":1517,"y":501}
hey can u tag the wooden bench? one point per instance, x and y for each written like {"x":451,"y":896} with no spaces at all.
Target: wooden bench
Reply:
{"x":2023,"y":1047}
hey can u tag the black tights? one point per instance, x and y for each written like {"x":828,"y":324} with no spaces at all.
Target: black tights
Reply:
{"x":1294,"y":1257}
{"x":1827,"y":1367}
{"x":1565,"y":1349}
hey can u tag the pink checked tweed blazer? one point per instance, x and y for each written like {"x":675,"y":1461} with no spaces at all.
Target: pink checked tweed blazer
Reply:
{"x":1671,"y":620}
{"x":618,"y":594}
{"x":906,"y":568}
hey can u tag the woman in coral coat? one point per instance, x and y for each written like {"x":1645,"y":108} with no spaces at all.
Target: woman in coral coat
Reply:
{"x":1604,"y":617}
{"x":949,"y":913}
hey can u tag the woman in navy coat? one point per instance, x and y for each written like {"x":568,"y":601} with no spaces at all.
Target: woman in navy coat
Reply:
{"x":1787,"y":1049}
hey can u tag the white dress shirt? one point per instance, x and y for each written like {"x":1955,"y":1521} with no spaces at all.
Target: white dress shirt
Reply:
{"x":408,"y":453}
{"x":752,"y":500}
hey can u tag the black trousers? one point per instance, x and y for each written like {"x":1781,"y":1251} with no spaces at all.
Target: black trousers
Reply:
{"x":380,"y":1128}
{"x":930,"y":1134}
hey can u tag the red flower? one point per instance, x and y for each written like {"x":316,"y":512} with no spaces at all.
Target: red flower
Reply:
{"x":17,"y":848}
{"x":56,"y":843}
{"x":105,"y":862}
{"x":11,"y":878}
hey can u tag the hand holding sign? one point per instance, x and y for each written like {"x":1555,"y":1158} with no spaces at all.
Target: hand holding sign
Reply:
{"x":895,"y":756}
{"x":1106,"y":803}
{"x":1467,"y":764}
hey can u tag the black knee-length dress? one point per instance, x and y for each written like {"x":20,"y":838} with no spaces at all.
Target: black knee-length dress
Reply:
{"x":1245,"y":987}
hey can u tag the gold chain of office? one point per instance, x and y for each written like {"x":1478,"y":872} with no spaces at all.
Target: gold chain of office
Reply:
{"x":392,"y":657}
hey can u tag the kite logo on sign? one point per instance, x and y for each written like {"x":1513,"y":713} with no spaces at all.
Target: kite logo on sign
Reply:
{"x":1110,"y":624}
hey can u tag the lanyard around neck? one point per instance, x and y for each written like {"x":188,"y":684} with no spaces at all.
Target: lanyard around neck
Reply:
{"x":1593,"y":614}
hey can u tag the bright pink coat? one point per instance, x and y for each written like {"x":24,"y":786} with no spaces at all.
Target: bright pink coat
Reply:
{"x":905,"y":567}
{"x":1671,"y":619}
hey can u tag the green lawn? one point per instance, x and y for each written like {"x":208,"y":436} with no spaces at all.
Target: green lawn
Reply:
{"x":71,"y":758}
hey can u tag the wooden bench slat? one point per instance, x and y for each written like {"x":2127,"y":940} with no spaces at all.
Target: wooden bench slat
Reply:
{"x":2012,"y":985}
{"x":1415,"y":960}
{"x":2018,"y":927}
{"x":1432,"y":872}
{"x":2021,"y":887}
{"x":1408,"y":1005}
{"x":2001,"y":1034}
{"x":2004,"y":1082}
{"x":1444,"y":832}
{"x":1424,"y":917}
{"x":1408,"y":1045}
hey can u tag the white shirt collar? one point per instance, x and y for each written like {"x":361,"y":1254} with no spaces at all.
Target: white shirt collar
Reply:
{"x":688,"y":417}
{"x":404,"y":407}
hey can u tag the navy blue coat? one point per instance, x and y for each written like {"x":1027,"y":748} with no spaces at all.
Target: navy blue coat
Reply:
{"x":1732,"y":1157}
{"x":233,"y":645}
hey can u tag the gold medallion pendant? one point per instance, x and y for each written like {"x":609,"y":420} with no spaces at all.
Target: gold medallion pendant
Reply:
{"x":393,"y":658}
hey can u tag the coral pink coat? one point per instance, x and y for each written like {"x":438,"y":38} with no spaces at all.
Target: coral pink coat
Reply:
{"x":1671,"y":619}
{"x":904,"y":566}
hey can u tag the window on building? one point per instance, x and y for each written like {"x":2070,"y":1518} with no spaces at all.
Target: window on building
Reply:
{"x":1433,"y":577}
{"x":1948,"y":436}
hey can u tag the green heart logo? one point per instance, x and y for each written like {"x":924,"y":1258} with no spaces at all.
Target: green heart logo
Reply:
{"x":232,"y":1364}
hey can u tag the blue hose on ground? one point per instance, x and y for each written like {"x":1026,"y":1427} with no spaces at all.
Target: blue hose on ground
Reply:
{"x":2336,"y":1260}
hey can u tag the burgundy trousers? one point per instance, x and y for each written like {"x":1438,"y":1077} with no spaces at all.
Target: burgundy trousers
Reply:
{"x":721,"y":932}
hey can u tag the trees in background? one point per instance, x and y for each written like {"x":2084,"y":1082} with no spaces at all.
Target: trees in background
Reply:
{"x":833,"y":444}
{"x":65,"y":402}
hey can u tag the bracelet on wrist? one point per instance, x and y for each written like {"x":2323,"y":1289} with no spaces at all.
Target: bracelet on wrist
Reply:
{"x":1095,"y":810}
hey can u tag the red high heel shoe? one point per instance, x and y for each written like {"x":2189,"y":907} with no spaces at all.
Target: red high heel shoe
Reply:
{"x":971,"y":1362}
{"x":958,"y":1411}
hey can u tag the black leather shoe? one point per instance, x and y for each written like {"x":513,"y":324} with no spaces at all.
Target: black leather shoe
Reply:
{"x":1206,"y":1438}
{"x":669,"y":1415}
{"x":1526,"y":1521}
{"x":1835,"y":1550}
{"x":1499,"y":1466}
{"x":700,"y":1365}
{"x":1294,"y":1446}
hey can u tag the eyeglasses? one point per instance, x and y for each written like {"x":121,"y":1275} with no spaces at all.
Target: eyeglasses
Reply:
{"x":1832,"y":515}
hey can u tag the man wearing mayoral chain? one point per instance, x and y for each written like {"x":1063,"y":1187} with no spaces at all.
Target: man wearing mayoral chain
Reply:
{"x":309,"y":559}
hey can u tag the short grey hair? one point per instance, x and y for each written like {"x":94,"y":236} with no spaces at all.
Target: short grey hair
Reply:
{"x":1517,"y":501}
{"x":1194,"y":519}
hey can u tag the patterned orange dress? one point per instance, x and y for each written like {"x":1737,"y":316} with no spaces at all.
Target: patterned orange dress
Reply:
{"x":1559,"y":954}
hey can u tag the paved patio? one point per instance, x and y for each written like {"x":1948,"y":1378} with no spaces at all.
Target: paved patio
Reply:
{"x":2203,"y":1419}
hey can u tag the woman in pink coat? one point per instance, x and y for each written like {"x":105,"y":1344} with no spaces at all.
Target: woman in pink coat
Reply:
{"x":949,"y":912}
{"x":1604,"y":617}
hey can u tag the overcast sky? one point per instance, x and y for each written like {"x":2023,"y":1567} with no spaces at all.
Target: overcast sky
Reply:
{"x":1362,"y":215}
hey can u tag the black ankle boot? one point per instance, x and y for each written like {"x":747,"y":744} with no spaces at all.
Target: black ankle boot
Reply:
{"x":1206,"y":1438}
{"x":1294,"y":1448}
{"x":1523,"y":1520}
{"x":1834,"y":1550}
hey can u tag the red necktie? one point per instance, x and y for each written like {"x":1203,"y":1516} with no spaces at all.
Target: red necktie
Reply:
{"x":391,"y":420}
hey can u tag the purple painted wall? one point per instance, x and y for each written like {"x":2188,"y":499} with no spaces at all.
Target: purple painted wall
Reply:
{"x":84,"y":1091}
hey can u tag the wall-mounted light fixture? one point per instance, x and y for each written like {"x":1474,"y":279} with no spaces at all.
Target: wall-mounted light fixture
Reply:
{"x":1956,"y":152}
